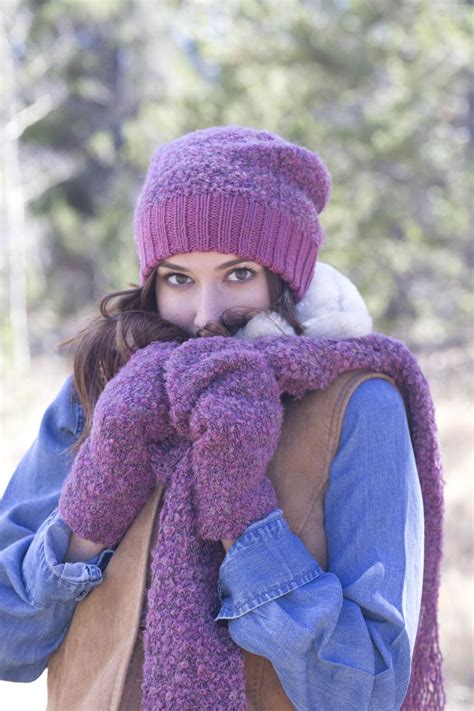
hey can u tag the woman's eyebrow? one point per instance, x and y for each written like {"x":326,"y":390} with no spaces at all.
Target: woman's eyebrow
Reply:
{"x":238,"y":260}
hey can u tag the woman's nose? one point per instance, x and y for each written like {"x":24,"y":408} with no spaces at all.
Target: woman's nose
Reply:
{"x":207,"y":309}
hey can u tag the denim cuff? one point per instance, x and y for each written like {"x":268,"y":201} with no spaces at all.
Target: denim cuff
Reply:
{"x":49,"y":581}
{"x":267,"y":561}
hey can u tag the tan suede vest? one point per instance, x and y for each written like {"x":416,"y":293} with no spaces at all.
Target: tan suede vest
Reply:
{"x":98,"y":667}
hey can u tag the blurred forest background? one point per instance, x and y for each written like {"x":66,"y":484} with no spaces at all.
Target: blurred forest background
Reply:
{"x":382,"y":90}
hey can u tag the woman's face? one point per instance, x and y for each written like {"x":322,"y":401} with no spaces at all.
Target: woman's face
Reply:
{"x":194,"y":288}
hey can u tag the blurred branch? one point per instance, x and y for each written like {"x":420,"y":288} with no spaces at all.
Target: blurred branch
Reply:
{"x":29,"y":115}
{"x":50,"y":171}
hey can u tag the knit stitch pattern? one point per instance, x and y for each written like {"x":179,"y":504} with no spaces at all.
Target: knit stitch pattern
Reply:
{"x":238,"y":190}
{"x":216,"y":391}
{"x":191,"y":662}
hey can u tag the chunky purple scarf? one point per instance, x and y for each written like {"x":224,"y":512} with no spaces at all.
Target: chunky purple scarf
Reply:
{"x":191,"y":662}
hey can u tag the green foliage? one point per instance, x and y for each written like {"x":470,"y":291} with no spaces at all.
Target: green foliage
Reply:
{"x":380,"y":90}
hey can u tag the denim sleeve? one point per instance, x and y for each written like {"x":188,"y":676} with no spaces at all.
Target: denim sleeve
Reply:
{"x":341,"y":639}
{"x":39,"y":592}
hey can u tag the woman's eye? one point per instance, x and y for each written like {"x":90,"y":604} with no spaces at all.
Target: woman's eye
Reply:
{"x":241,"y":276}
{"x":180,"y":283}
{"x":242,"y":269}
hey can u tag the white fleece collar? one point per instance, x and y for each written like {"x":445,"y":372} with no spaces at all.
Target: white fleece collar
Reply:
{"x":332,"y":307}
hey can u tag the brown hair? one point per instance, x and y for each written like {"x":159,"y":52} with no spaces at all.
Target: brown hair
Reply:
{"x":106,"y":343}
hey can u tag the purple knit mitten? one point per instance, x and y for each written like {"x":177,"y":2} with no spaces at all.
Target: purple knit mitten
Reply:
{"x":115,"y":470}
{"x":225,"y":399}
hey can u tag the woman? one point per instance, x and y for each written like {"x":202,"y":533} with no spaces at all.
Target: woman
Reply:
{"x":227,"y":232}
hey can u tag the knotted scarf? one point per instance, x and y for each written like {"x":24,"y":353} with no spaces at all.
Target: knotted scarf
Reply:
{"x":183,"y":416}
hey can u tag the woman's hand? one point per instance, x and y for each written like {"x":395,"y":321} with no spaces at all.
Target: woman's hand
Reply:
{"x":115,"y":470}
{"x":225,"y":399}
{"x":81,"y":549}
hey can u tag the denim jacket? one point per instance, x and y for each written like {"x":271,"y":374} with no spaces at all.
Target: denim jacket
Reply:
{"x":342,"y":640}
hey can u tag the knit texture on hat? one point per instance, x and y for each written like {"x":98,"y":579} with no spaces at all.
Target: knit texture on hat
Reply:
{"x":190,"y":661}
{"x":234,"y":190}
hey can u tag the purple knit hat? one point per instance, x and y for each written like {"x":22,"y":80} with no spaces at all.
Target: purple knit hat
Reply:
{"x":234,"y":190}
